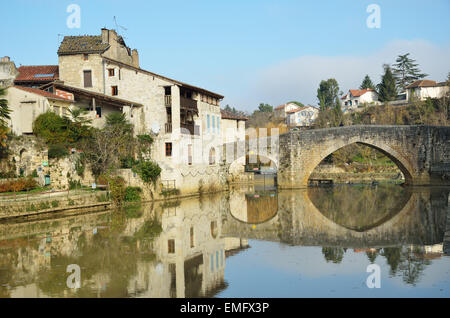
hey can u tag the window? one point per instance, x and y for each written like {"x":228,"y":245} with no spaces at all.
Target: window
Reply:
{"x":218,"y":124}
{"x":207,"y":123}
{"x":192,"y":237}
{"x":168,"y":149}
{"x":114,"y":90}
{"x":212,"y":156}
{"x":98,"y":111}
{"x":190,"y":155}
{"x":213,"y":124}
{"x":111,"y":72}
{"x":171,"y":246}
{"x":85,"y":57}
{"x":87,"y":78}
{"x":167,"y":90}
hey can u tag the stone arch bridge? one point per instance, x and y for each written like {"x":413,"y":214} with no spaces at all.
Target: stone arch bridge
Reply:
{"x":422,"y":153}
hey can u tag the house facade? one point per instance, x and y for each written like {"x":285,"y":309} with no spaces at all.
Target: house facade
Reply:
{"x":424,"y":89}
{"x":302,"y":116}
{"x":283,"y":110}
{"x":28,"y":103}
{"x":356,"y":98}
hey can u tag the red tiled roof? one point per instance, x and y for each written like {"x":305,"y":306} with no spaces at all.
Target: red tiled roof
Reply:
{"x":359,"y":92}
{"x":422,"y":83}
{"x":37,"y":73}
{"x":280,"y":107}
{"x":42,"y":93}
{"x":227,"y":115}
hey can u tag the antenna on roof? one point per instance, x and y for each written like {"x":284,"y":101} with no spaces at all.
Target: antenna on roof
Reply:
{"x":119,"y":26}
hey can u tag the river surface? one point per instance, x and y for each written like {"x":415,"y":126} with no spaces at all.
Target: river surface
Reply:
{"x":249,"y":242}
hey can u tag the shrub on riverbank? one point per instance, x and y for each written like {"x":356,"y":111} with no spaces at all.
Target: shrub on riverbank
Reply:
{"x":18,"y":185}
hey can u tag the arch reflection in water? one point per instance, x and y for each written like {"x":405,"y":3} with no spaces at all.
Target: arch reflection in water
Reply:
{"x":360,"y":207}
{"x":253,"y":208}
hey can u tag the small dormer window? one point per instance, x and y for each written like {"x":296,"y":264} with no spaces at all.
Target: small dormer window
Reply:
{"x":85,"y":57}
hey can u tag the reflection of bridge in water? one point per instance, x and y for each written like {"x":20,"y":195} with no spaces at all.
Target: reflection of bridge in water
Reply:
{"x":419,"y":218}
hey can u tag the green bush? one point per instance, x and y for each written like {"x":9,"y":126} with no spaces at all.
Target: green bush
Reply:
{"x":52,"y":128}
{"x":55,"y":204}
{"x":57,"y":151}
{"x":133,"y":194}
{"x":117,"y":188}
{"x":148,"y":171}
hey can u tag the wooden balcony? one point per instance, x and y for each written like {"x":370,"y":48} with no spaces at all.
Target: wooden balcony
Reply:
{"x":188,"y":103}
{"x":190,"y":129}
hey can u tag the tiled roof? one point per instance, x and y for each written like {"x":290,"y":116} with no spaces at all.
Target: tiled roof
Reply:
{"x":360,"y":92}
{"x":37,"y":73}
{"x":422,"y":83}
{"x":42,"y":93}
{"x":227,"y":115}
{"x":82,"y":44}
{"x":300,"y":109}
{"x":280,"y":107}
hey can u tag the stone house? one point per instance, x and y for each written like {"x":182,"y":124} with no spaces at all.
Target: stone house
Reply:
{"x":283,"y":110}
{"x":233,"y":127}
{"x":28,"y":103}
{"x":302,"y":116}
{"x":102,"y":71}
{"x":424,"y":89}
{"x":358,"y":98}
{"x":8,"y":72}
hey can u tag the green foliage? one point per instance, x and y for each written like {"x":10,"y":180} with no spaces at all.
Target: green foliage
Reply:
{"x":297,"y":103}
{"x":102,"y":198}
{"x":80,"y":167}
{"x":406,"y":71}
{"x":56,"y":151}
{"x":265,"y":108}
{"x":148,"y":171}
{"x":55,"y":204}
{"x":74,"y":184}
{"x":52,"y":128}
{"x":327,"y":93}
{"x":387,"y":89}
{"x":133,"y":194}
{"x":117,"y":188}
{"x":149,"y":230}
{"x":34,"y":174}
{"x":367,"y":83}
{"x":4,"y":109}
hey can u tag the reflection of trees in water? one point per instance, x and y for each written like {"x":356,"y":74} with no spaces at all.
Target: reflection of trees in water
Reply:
{"x":409,"y":263}
{"x":107,"y":255}
{"x":333,"y":254}
{"x":359,"y":207}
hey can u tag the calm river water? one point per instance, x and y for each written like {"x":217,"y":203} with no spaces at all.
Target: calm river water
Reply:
{"x":244,"y":243}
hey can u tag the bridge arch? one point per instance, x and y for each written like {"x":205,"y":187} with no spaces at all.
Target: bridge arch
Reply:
{"x":402,"y":163}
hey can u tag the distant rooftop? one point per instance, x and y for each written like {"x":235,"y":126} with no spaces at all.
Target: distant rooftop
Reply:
{"x":37,"y":73}
{"x":82,"y":44}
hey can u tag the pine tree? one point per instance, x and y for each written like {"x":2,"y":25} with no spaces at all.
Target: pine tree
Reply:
{"x":367,"y":83}
{"x":406,"y":71}
{"x":387,"y":89}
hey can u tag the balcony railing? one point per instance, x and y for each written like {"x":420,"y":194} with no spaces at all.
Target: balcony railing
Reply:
{"x":188,"y":103}
{"x":168,"y":100}
{"x":190,"y":129}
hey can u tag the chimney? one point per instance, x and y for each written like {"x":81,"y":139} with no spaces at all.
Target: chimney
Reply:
{"x":6,"y":59}
{"x":135,"y":58}
{"x":105,"y":35}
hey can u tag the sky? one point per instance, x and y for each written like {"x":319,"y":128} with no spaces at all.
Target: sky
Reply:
{"x":250,"y":51}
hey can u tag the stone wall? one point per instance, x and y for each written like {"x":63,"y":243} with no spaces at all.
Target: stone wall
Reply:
{"x":64,"y":171}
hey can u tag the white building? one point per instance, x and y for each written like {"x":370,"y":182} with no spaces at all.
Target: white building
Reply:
{"x":358,"y":98}
{"x":282,"y":110}
{"x":302,"y":116}
{"x":424,"y":89}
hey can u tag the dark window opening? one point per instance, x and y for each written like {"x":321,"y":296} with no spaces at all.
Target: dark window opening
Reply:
{"x":85,"y":57}
{"x":171,"y":246}
{"x":98,"y":111}
{"x":168,"y":149}
{"x":114,"y":90}
{"x":167,"y":91}
{"x":111,"y":72}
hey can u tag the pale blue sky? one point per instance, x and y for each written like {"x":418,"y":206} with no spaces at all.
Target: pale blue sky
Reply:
{"x":250,"y":51}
